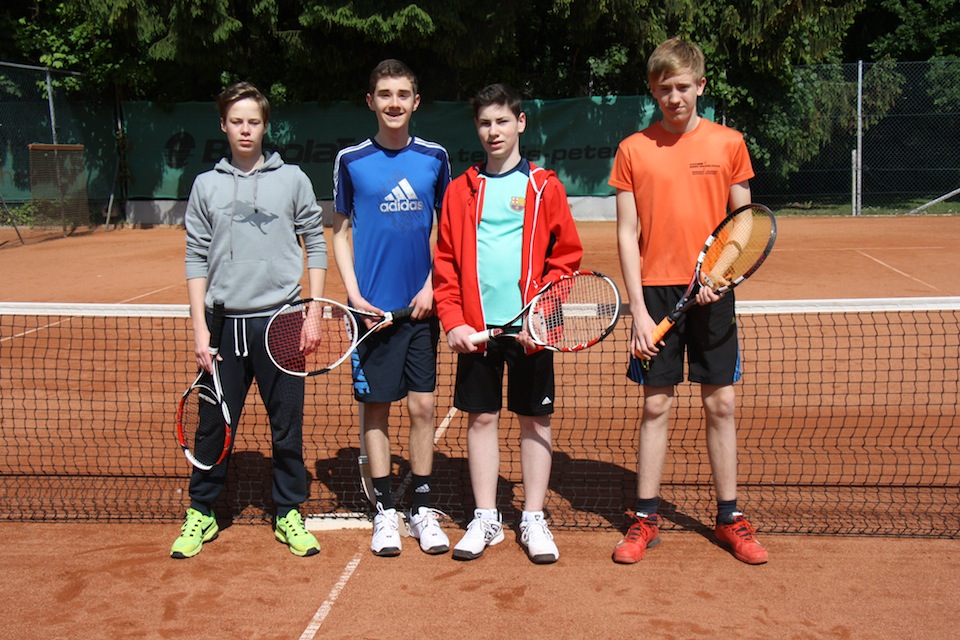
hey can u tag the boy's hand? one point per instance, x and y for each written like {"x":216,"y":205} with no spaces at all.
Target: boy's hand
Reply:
{"x":458,"y":339}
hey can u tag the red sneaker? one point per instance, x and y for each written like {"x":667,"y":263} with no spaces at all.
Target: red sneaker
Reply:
{"x":740,"y":538}
{"x":642,"y":534}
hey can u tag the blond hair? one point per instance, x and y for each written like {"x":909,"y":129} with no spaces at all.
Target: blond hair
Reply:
{"x":675,"y":56}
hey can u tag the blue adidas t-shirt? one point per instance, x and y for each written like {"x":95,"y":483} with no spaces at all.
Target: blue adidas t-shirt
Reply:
{"x":392,"y":198}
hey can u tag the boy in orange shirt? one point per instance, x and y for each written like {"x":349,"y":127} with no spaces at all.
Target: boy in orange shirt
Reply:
{"x":675,"y":182}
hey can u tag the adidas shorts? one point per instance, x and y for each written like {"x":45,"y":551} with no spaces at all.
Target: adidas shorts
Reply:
{"x":707,"y":335}
{"x":395,"y":361}
{"x":530,"y":384}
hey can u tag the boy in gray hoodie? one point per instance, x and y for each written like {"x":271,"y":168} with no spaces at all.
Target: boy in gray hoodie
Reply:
{"x":244,"y":220}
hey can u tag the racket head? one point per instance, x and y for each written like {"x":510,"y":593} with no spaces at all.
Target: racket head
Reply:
{"x":575,"y":312}
{"x":737,"y":248}
{"x":337,"y":329}
{"x":203,"y":424}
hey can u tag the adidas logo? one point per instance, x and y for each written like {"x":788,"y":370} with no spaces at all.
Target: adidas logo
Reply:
{"x":546,"y":401}
{"x":423,"y":489}
{"x":401,"y":198}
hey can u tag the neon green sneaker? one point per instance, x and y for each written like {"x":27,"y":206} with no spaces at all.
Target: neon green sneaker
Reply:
{"x":291,"y":532}
{"x":196,"y":530}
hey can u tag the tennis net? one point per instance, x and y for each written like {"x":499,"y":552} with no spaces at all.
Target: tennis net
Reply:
{"x":847,"y":424}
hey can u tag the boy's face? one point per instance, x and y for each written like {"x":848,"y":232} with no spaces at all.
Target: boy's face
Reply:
{"x":394,"y":102}
{"x":499,"y":130}
{"x":677,"y":95}
{"x":245,"y":128}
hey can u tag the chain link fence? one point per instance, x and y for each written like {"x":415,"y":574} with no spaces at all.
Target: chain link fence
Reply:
{"x":861,"y":138}
{"x":888,"y":134}
{"x":57,"y":155}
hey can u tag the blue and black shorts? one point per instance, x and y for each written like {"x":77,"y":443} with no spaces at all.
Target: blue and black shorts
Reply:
{"x":396,"y":360}
{"x":707,"y":335}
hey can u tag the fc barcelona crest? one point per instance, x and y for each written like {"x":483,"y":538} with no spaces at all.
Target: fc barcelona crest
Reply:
{"x":517,"y":204}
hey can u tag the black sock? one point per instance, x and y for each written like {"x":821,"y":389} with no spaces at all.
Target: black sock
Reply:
{"x":648,"y":506}
{"x":383,"y":491}
{"x":725,"y":511}
{"x":421,"y":492}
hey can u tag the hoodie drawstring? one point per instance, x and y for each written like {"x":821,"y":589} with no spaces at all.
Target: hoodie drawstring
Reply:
{"x":240,"y":331}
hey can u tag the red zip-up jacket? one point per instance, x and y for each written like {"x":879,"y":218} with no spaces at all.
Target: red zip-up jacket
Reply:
{"x":551,"y":244}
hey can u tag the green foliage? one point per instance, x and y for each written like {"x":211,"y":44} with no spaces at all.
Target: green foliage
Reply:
{"x":322,"y":50}
{"x":923,"y":29}
{"x":944,"y":80}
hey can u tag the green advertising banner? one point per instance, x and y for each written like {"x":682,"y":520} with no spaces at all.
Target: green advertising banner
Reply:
{"x":169,"y":146}
{"x":576,"y":137}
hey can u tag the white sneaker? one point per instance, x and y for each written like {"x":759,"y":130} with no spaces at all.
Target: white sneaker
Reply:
{"x":482,"y":532}
{"x":386,"y":533}
{"x":536,"y":537}
{"x":425,"y":527}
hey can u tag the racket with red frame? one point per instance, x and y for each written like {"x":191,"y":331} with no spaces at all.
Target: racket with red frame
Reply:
{"x":572,"y":313}
{"x":204,"y":430}
{"x":732,"y":253}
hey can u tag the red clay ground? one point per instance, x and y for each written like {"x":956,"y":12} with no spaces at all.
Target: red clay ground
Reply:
{"x":113,"y":581}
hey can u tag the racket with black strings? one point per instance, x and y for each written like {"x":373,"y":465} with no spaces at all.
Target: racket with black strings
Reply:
{"x":572,"y":313}
{"x":732,"y":253}
{"x":204,"y":428}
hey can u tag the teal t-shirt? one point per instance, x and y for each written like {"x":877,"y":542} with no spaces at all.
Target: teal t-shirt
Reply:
{"x":499,"y":243}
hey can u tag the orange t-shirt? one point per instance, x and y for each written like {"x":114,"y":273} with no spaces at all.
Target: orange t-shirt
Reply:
{"x":681,"y":184}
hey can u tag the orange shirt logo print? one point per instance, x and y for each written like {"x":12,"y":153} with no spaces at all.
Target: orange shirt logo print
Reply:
{"x":703,"y":169}
{"x":518,"y":204}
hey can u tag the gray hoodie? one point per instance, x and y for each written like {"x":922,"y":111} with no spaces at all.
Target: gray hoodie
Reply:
{"x":242,"y":235}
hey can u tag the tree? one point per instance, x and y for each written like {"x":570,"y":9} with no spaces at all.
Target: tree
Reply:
{"x":905,"y":31}
{"x":321,"y":50}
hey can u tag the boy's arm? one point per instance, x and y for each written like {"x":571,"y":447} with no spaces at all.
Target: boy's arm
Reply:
{"x":628,"y":246}
{"x":343,"y":256}
{"x":422,"y":303}
{"x":196,"y":292}
{"x":567,"y":251}
{"x":446,"y":285}
{"x":739,"y":197}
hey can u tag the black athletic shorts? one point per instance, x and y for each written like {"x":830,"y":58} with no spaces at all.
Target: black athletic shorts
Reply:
{"x":396,"y":360}
{"x":707,"y":335}
{"x":530,"y":384}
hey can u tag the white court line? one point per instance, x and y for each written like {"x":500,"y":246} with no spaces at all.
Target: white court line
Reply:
{"x":895,"y":270}
{"x":311,"y":631}
{"x":856,"y":249}
{"x":149,"y":293}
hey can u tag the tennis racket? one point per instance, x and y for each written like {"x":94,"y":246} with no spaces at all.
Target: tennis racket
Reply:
{"x":732,"y":253}
{"x":335,"y":324}
{"x":572,"y":313}
{"x":203,"y":419}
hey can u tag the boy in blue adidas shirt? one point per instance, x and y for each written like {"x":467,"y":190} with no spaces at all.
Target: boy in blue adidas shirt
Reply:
{"x":388,"y":191}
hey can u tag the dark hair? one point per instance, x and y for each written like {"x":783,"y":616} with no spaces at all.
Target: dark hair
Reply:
{"x":391,"y":68}
{"x":241,"y":91}
{"x":500,"y":94}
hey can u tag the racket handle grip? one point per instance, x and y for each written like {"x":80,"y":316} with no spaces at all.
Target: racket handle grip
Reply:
{"x":484,"y":336}
{"x":662,"y":329}
{"x":401,"y":314}
{"x":216,"y":327}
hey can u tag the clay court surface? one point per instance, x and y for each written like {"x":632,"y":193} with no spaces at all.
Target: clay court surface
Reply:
{"x":116,"y":581}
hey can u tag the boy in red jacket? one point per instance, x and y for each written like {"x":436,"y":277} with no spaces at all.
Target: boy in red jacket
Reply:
{"x":505,"y":230}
